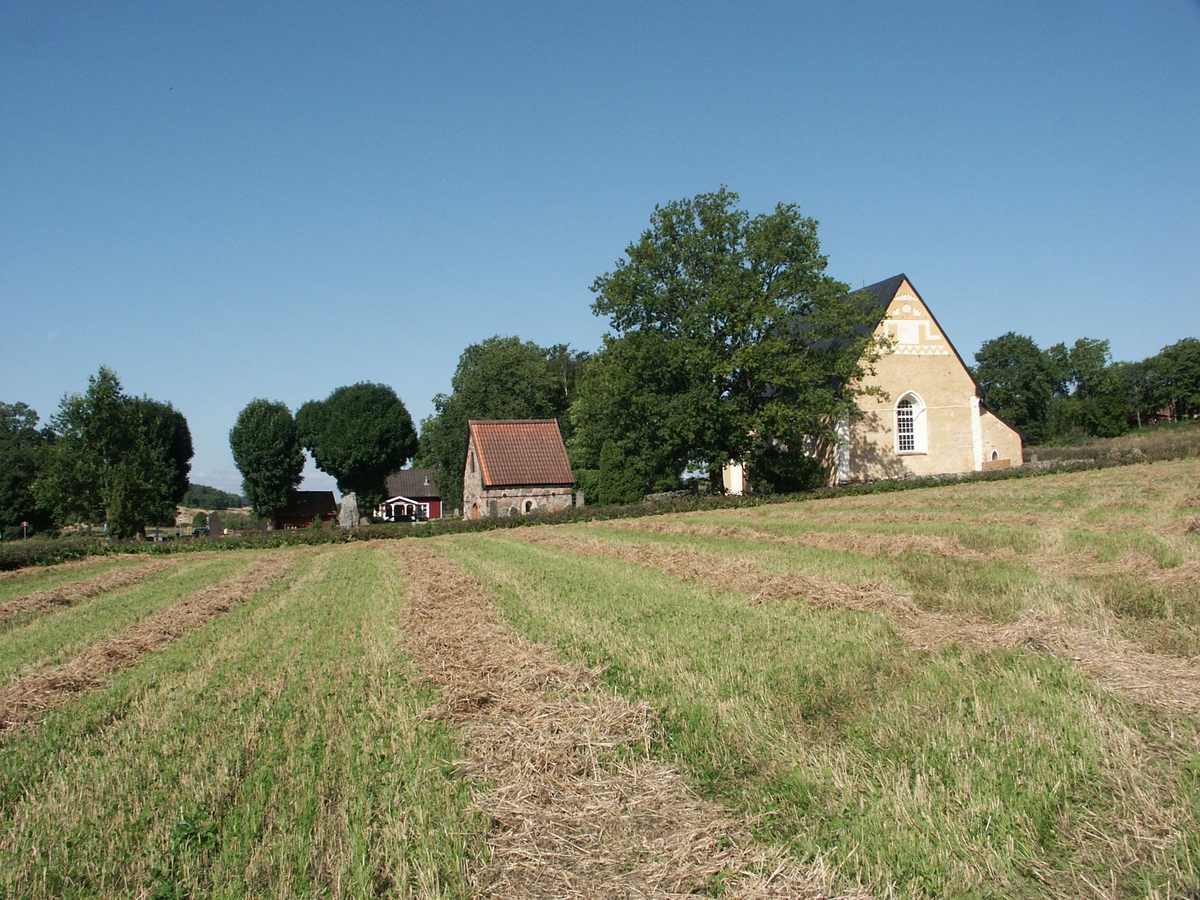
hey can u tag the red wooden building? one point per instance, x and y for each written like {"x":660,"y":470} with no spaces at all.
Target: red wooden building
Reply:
{"x":413,"y":496}
{"x":305,"y":507}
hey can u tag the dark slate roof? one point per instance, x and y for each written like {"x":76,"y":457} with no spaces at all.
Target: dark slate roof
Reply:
{"x":415,"y":484}
{"x":880,"y":293}
{"x":883,"y":291}
{"x":309,"y":505}
{"x":521,"y":452}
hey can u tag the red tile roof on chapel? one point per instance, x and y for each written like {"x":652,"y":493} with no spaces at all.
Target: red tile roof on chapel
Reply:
{"x":521,"y":452}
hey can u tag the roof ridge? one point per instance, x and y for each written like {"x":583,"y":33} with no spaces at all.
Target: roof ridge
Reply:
{"x":509,"y":421}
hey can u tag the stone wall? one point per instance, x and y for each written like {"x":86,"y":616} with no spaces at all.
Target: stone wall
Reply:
{"x":500,"y":502}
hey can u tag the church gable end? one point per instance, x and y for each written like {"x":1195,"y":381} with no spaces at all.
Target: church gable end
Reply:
{"x":929,"y":422}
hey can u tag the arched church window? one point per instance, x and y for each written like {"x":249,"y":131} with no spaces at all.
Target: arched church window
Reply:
{"x":911,"y":433}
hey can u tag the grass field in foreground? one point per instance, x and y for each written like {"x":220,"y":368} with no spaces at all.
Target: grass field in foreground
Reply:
{"x":284,"y":747}
{"x":927,"y":772}
{"x":281,"y":750}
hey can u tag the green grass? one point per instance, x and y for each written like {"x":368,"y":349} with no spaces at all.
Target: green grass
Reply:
{"x":938,"y":774}
{"x":51,"y":636}
{"x":839,"y":565}
{"x":34,"y":579}
{"x":284,"y":749}
{"x":281,"y":750}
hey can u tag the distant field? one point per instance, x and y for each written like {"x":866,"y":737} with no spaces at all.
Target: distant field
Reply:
{"x":1166,"y":440}
{"x":985,"y":689}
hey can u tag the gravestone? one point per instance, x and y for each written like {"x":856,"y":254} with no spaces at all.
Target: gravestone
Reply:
{"x":348,"y":513}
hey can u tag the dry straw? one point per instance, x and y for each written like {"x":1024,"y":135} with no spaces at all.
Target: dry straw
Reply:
{"x":1108,"y":659}
{"x":577,"y":809}
{"x":849,"y":541}
{"x":67,"y":594}
{"x":23,"y":699}
{"x":85,"y":563}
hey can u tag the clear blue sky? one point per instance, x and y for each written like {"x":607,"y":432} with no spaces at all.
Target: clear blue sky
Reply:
{"x":224,"y":201}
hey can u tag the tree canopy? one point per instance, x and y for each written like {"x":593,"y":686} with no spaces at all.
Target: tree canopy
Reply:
{"x":499,"y":378}
{"x":742,"y":345}
{"x":1017,"y":380}
{"x":115,"y":459}
{"x":1065,"y":393}
{"x":266,"y":450}
{"x":359,"y":434}
{"x":21,"y":443}
{"x":1174,"y":376}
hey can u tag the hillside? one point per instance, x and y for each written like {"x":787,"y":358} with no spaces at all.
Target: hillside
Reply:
{"x":986,"y":689}
{"x":201,"y":496}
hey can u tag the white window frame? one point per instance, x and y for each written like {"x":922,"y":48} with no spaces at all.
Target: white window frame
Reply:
{"x":920,"y":427}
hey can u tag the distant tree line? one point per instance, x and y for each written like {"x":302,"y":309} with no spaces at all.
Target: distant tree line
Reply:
{"x":1062,"y":394}
{"x":201,"y":496}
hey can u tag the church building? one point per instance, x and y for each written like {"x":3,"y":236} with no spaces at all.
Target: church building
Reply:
{"x":929,"y":420}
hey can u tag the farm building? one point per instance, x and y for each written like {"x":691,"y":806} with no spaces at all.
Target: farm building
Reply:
{"x":515,"y":467}
{"x":412,"y":494}
{"x":305,"y":507}
{"x":929,"y":421}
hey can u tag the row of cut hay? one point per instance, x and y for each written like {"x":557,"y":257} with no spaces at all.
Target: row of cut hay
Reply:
{"x":577,"y":809}
{"x":741,"y":575}
{"x":1087,"y":564}
{"x":23,"y":699}
{"x":85,"y":563}
{"x":1109,"y":660}
{"x":67,"y":594}
{"x":848,"y":541}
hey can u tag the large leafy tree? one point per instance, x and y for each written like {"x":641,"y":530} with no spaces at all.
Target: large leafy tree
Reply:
{"x":21,"y":446}
{"x":1174,"y":375}
{"x":266,"y":450}
{"x":1092,"y":397}
{"x":636,"y":417}
{"x":359,"y":434}
{"x":1018,"y":380}
{"x":759,"y":348}
{"x":116,"y":459}
{"x":499,"y":378}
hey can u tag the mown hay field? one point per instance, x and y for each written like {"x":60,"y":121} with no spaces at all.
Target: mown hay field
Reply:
{"x":977,"y":690}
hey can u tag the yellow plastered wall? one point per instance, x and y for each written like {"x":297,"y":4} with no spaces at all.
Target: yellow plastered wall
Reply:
{"x":1000,"y":441}
{"x":957,"y":435}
